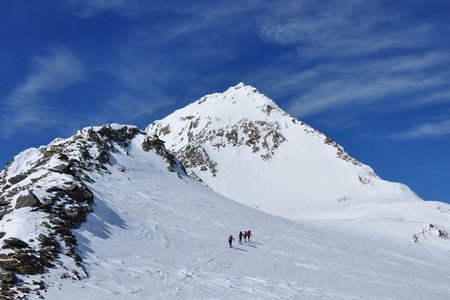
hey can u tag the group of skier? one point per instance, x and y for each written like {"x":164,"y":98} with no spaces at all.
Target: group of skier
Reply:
{"x":246,"y":235}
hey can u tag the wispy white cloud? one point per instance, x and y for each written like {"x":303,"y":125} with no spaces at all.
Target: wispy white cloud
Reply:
{"x":129,"y":8}
{"x":25,"y":107}
{"x":432,"y":130}
{"x":358,"y":86}
{"x":340,"y":29}
{"x":352,"y":54}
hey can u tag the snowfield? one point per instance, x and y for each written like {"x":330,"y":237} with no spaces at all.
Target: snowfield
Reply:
{"x":110,"y":213}
{"x":154,"y":235}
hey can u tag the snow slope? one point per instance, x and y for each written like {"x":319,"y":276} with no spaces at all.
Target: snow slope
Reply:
{"x":156,"y":235}
{"x":242,"y":145}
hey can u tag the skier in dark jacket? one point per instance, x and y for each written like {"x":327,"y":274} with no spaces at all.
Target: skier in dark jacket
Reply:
{"x":240,"y":237}
{"x":230,"y":240}
{"x":249,"y":234}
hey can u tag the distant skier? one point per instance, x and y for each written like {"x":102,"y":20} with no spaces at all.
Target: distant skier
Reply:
{"x":249,"y":234}
{"x":230,"y":240}
{"x":245,"y":236}
{"x":240,"y":237}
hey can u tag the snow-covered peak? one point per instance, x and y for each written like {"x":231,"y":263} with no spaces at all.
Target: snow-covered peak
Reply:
{"x":237,"y":102}
{"x":241,"y":144}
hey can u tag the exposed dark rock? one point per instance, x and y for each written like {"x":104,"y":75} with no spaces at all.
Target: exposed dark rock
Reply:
{"x":8,"y":277}
{"x":47,"y":204}
{"x":29,"y":264}
{"x":62,"y":156}
{"x":193,"y":156}
{"x":63,"y":168}
{"x":15,"y":243}
{"x":103,"y":157}
{"x":80,"y":193}
{"x":29,"y":200}
{"x":9,"y":265}
{"x":150,"y":143}
{"x":120,"y":136}
{"x":5,"y":187}
{"x":54,"y":189}
{"x":4,"y":202}
{"x":2,"y":234}
{"x":85,"y":154}
{"x":17,"y":178}
{"x":24,"y":290}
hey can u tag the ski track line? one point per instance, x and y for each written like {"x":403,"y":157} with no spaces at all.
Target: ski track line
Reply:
{"x":190,"y":275}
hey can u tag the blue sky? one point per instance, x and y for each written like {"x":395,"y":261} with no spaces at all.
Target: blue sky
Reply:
{"x":373,"y":75}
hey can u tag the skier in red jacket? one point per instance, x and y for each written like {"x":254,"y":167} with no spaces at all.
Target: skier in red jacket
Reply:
{"x":230,"y":240}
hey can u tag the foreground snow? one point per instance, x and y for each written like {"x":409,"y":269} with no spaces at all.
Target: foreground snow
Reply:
{"x":154,"y":235}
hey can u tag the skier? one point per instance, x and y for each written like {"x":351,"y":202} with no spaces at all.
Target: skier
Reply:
{"x":249,"y":234}
{"x":245,"y":236}
{"x":230,"y":240}
{"x":240,"y":237}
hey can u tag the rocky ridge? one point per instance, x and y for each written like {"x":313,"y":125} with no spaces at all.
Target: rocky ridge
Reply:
{"x":47,"y":188}
{"x":262,"y":134}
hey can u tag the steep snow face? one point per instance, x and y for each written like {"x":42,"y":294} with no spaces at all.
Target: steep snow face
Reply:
{"x":242,"y":145}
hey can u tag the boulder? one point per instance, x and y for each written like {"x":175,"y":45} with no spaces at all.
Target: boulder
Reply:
{"x":2,"y":234}
{"x":63,"y":168}
{"x":80,"y":193}
{"x":29,"y":200}
{"x":17,"y":178}
{"x":15,"y":243}
{"x":103,"y":157}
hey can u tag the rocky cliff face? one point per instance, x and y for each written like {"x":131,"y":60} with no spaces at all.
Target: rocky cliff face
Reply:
{"x":44,"y":194}
{"x":241,"y":144}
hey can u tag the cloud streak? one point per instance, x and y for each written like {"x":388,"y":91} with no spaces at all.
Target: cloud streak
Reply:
{"x":433,"y":130}
{"x":356,"y":54}
{"x":25,"y":107}
{"x":127,"y":8}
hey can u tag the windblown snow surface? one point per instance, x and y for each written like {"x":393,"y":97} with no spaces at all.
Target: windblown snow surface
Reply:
{"x":155,"y":234}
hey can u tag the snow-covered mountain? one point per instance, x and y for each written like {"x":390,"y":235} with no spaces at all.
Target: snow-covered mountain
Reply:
{"x":47,"y":192}
{"x":242,"y":145}
{"x":110,"y":213}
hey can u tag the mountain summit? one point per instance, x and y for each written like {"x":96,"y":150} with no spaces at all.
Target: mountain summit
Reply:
{"x":242,"y":145}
